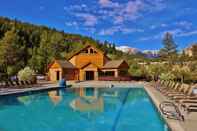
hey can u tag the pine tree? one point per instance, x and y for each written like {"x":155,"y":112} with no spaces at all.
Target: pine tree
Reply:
{"x":9,"y":52}
{"x":44,"y":52}
{"x":170,"y":47}
{"x":57,"y":45}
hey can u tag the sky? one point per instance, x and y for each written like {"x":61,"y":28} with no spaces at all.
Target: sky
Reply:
{"x":135,"y":23}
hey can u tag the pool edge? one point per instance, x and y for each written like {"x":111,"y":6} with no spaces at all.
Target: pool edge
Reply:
{"x":174,"y":125}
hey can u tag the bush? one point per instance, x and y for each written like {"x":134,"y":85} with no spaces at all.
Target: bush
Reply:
{"x":167,"y":76}
{"x":26,"y":74}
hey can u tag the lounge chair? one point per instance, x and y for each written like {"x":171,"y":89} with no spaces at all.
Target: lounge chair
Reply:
{"x":11,"y":83}
{"x":164,"y":86}
{"x":179,"y":88}
{"x":187,"y":94}
{"x":31,"y":82}
{"x":22,"y":83}
{"x":1,"y":84}
{"x":17,"y":83}
{"x":172,"y":87}
{"x":190,"y":107}
{"x":27,"y":83}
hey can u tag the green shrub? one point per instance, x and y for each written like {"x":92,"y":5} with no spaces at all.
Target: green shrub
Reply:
{"x":26,"y":74}
{"x":167,"y":76}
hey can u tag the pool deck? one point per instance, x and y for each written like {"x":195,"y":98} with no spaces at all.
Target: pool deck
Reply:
{"x":190,"y":123}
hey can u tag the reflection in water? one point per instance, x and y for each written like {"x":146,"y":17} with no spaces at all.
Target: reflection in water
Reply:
{"x":88,"y":100}
{"x":26,"y":100}
{"x":119,"y":109}
{"x":139,"y":94}
{"x":93,"y":99}
{"x":55,"y":96}
{"x":87,"y":105}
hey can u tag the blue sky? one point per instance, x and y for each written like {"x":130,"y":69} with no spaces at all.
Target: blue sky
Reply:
{"x":135,"y":23}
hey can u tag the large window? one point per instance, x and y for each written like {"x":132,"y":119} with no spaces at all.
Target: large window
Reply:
{"x":91,"y":51}
{"x":109,"y":73}
{"x":101,"y":73}
{"x":106,"y":73}
{"x":123,"y":72}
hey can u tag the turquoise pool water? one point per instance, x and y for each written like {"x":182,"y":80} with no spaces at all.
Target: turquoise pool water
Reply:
{"x":80,"y":110}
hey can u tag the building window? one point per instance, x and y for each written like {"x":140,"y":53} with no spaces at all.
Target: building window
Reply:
{"x":85,"y":51}
{"x":109,"y":73}
{"x":91,"y":51}
{"x":123,"y":72}
{"x":101,"y":73}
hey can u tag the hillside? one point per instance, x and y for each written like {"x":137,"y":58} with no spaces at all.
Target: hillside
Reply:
{"x":23,"y":44}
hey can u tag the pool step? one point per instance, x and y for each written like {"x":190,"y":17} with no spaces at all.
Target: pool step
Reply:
{"x":170,"y":110}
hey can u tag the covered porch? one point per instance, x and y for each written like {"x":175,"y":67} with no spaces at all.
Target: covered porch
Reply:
{"x":115,"y":70}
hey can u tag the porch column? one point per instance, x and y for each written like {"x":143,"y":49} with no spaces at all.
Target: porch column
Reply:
{"x":116,"y":72}
{"x":96,"y":75}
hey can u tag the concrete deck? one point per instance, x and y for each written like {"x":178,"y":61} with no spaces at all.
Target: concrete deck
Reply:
{"x":190,"y":123}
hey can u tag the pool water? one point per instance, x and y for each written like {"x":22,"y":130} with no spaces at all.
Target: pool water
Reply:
{"x":82,"y":109}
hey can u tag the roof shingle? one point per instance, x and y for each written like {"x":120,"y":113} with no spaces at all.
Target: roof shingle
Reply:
{"x":65,"y":64}
{"x":113,"y":64}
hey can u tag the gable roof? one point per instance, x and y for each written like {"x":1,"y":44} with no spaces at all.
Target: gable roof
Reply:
{"x":113,"y":64}
{"x":85,"y":65}
{"x":88,"y":45}
{"x":64,"y":64}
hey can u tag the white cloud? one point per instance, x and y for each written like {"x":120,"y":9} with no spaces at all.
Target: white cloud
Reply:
{"x":109,"y":31}
{"x":75,"y":7}
{"x":164,"y":25}
{"x":120,"y":29}
{"x":190,"y":33}
{"x":174,"y":32}
{"x":108,"y":3}
{"x":184,"y":24}
{"x":153,"y":27}
{"x":71,"y":24}
{"x":42,"y":7}
{"x":118,"y":19}
{"x":129,"y":11}
{"x":133,"y":7}
{"x":114,"y":13}
{"x":89,"y":19}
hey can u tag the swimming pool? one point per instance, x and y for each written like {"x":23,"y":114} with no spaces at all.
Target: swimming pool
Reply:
{"x":84,"y":109}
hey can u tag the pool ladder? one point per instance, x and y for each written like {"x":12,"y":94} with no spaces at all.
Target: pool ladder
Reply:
{"x":171,"y":111}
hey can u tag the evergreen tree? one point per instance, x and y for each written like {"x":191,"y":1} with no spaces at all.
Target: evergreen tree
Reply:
{"x":9,"y":52}
{"x":57,"y":45}
{"x":169,"y":45}
{"x":44,"y":52}
{"x":170,"y":48}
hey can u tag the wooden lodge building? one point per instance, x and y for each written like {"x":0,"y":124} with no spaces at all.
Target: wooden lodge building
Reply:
{"x":89,"y":63}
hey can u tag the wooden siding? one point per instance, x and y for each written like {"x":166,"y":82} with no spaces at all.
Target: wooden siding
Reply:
{"x":52,"y":74}
{"x":73,"y":61}
{"x":124,"y":65}
{"x":70,"y":74}
{"x":81,"y":59}
{"x":88,"y":59}
{"x":55,"y":65}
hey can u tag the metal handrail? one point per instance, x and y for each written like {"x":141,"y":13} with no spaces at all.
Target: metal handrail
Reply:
{"x":171,"y":114}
